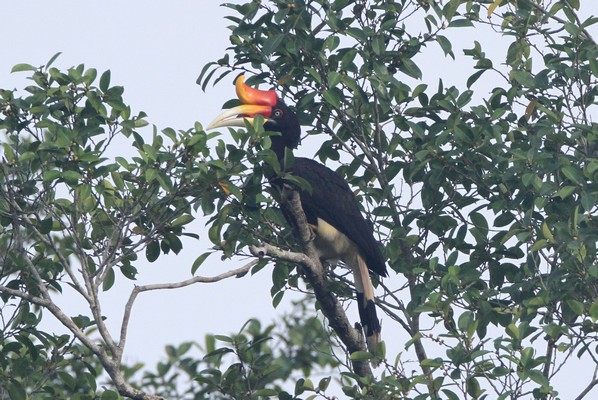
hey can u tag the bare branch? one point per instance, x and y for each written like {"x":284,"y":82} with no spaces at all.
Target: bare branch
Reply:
{"x":587,"y":389}
{"x":108,"y":360}
{"x":164,"y":286}
{"x":25,"y":296}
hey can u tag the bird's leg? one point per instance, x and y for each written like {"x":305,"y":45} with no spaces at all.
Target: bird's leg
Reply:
{"x":313,"y":232}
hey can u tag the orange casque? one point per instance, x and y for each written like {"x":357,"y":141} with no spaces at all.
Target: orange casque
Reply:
{"x":249,"y":95}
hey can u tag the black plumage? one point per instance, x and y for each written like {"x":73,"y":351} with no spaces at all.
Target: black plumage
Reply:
{"x":330,"y":197}
{"x":331,"y":208}
{"x":332,"y":200}
{"x":344,"y":234}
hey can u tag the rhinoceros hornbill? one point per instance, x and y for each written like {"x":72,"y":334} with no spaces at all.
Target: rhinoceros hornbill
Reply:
{"x":331,"y":208}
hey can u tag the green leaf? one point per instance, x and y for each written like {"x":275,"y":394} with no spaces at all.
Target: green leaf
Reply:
{"x":90,"y":76}
{"x":165,"y":182}
{"x":45,"y":226}
{"x":538,"y":377}
{"x":170,"y":133}
{"x":331,"y":96}
{"x":152,"y":251}
{"x":473,"y":78}
{"x":265,"y":392}
{"x":539,"y":245}
{"x":479,"y":221}
{"x":588,"y":200}
{"x":118,"y":180}
{"x":202,"y":73}
{"x":566,"y":191}
{"x":108,"y":280}
{"x":503,"y":219}
{"x":432,"y":362}
{"x":72,"y":177}
{"x":214,"y":233}
{"x":222,"y":338}
{"x":105,"y":81}
{"x":272,"y":43}
{"x":461,"y":23}
{"x":308,"y":384}
{"x":594,"y":66}
{"x":129,"y":271}
{"x":465,"y":321}
{"x":410,"y":68}
{"x":182,"y":220}
{"x":445,"y":45}
{"x":473,"y":387}
{"x":576,"y":306}
{"x":207,"y":79}
{"x":450,"y":395}
{"x":547,"y":233}
{"x":277,"y":298}
{"x":419,"y":89}
{"x":361,"y":356}
{"x":150,"y":174}
{"x":109,"y":395}
{"x":524,"y":78}
{"x":450,"y":9}
{"x":52,"y":59}
{"x":199,"y":261}
{"x":572,"y":174}
{"x":16,"y":390}
{"x":492,"y":7}
{"x":323,"y":384}
{"x":23,"y":67}
{"x":513,"y":331}
{"x":554,"y":330}
{"x":334,"y":78}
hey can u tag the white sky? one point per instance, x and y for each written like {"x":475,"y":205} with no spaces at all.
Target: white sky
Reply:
{"x":156,"y":51}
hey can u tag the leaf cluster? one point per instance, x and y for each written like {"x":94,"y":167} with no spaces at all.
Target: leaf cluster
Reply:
{"x":485,"y":203}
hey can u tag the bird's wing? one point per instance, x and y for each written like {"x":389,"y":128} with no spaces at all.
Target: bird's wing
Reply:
{"x":332,"y":200}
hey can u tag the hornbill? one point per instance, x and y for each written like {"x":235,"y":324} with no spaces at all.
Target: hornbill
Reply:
{"x":330,"y":207}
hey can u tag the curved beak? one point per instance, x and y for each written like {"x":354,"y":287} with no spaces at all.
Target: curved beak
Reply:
{"x":236,"y":116}
{"x":255,"y":101}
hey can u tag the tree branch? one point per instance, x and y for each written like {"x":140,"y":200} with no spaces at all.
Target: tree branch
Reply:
{"x":587,"y":389}
{"x":560,"y":20}
{"x":44,"y":300}
{"x":313,"y":272}
{"x":163,"y":286}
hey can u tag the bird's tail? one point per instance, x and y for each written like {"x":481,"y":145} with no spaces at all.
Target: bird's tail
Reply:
{"x":366,"y":306}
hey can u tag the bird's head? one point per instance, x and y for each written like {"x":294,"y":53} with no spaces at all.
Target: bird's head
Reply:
{"x":278,"y":117}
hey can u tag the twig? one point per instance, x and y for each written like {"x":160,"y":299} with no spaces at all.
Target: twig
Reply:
{"x":560,"y":20}
{"x":587,"y":389}
{"x":25,"y":296}
{"x":163,"y":286}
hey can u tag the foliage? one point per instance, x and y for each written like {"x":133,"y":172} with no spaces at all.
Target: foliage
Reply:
{"x":486,"y":204}
{"x":74,"y":216}
{"x":244,"y":365}
{"x":482,"y":192}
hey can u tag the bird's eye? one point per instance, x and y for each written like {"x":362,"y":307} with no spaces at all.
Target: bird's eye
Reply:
{"x":277,"y":113}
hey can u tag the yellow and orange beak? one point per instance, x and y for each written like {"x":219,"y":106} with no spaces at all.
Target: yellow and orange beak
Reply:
{"x":255,"y":101}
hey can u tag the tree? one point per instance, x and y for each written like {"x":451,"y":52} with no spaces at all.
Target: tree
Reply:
{"x":484,"y":202}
